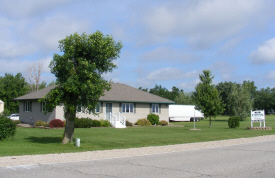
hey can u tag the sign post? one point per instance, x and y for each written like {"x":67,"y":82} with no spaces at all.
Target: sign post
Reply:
{"x":258,"y":116}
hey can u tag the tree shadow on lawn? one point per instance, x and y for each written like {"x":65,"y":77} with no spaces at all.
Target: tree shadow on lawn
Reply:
{"x":44,"y":140}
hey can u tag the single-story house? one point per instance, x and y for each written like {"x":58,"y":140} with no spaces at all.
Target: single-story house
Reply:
{"x":131,"y":103}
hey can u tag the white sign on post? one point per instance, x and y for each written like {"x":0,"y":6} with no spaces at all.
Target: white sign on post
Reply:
{"x":258,"y":116}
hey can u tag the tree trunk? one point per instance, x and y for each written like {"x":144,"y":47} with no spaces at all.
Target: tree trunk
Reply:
{"x":69,"y":128}
{"x":209,"y":121}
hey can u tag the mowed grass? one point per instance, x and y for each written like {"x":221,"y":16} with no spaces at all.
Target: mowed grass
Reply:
{"x":30,"y":141}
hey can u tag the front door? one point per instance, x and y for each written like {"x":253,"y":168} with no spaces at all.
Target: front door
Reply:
{"x":108,"y":107}
{"x":108,"y":110}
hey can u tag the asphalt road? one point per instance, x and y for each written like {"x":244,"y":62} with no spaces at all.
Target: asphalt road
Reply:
{"x":244,"y":160}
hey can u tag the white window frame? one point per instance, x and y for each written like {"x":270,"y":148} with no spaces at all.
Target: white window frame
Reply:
{"x":98,"y":108}
{"x":155,"y":108}
{"x":126,"y":108}
{"x":27,"y":106}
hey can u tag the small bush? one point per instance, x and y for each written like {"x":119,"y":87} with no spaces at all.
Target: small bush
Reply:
{"x":17,"y":122}
{"x":39,"y":123}
{"x":234,"y":122}
{"x":128,"y":123}
{"x":56,"y":123}
{"x":163,"y":123}
{"x":83,"y":123}
{"x":95,"y":123}
{"x":48,"y":124}
{"x":5,"y":113}
{"x":153,"y":118}
{"x":104,"y":123}
{"x":143,"y":122}
{"x":7,"y":128}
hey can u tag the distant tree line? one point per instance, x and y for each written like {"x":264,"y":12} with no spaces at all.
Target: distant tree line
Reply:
{"x":175,"y":94}
{"x":13,"y":86}
{"x":235,"y":96}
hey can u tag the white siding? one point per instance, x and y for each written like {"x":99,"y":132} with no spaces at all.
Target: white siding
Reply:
{"x":141,"y":111}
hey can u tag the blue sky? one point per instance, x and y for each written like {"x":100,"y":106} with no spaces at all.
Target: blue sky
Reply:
{"x":164,"y":42}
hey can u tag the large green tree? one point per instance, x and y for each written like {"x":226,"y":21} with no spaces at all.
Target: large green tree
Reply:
{"x":224,"y":89}
{"x":250,"y":87}
{"x":79,"y":72}
{"x":12,"y":86}
{"x":207,"y":97}
{"x":240,"y":102}
{"x":265,"y":99}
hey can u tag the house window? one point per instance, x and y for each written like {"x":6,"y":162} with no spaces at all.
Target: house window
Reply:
{"x":127,"y":107}
{"x":97,"y":109}
{"x":155,"y":108}
{"x":43,"y":107}
{"x":79,"y":108}
{"x":27,"y":106}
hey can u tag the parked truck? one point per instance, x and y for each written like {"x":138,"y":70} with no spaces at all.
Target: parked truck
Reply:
{"x":184,"y":113}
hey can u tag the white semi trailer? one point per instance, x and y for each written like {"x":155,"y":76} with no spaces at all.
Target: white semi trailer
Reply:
{"x":184,"y":113}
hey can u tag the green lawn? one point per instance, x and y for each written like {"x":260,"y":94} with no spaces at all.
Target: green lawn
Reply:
{"x":28,"y":141}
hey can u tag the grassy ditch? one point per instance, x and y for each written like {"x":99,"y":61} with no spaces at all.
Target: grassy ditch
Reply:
{"x":29,"y":141}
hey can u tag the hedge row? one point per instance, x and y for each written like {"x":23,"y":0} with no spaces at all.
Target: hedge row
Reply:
{"x":152,"y":119}
{"x":87,"y":123}
{"x":78,"y":123}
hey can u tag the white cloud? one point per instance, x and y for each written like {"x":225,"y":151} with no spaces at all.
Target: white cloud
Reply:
{"x":13,"y":49}
{"x":13,"y":41}
{"x":265,"y":53}
{"x":190,"y":85}
{"x":28,"y":8}
{"x":14,"y":66}
{"x":114,"y":76}
{"x":167,"y":53}
{"x":46,"y":62}
{"x":142,"y":82}
{"x":119,"y":32}
{"x":48,"y":78}
{"x":224,"y":69}
{"x":202,"y":23}
{"x":25,"y":37}
{"x":17,"y":65}
{"x":5,"y":25}
{"x":170,"y":74}
{"x":52,"y":29}
{"x":271,"y":75}
{"x":165,"y":74}
{"x":229,"y":45}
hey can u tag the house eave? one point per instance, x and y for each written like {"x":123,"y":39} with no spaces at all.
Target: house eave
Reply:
{"x":119,"y":101}
{"x":26,"y":99}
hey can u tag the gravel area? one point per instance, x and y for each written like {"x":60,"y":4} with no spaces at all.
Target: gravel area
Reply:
{"x":107,"y":154}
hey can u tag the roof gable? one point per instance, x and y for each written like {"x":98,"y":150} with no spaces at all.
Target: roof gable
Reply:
{"x":118,"y":93}
{"x":36,"y":95}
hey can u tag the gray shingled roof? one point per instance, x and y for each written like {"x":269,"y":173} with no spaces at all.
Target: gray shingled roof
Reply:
{"x":118,"y":92}
{"x":35,"y":95}
{"x":122,"y":92}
